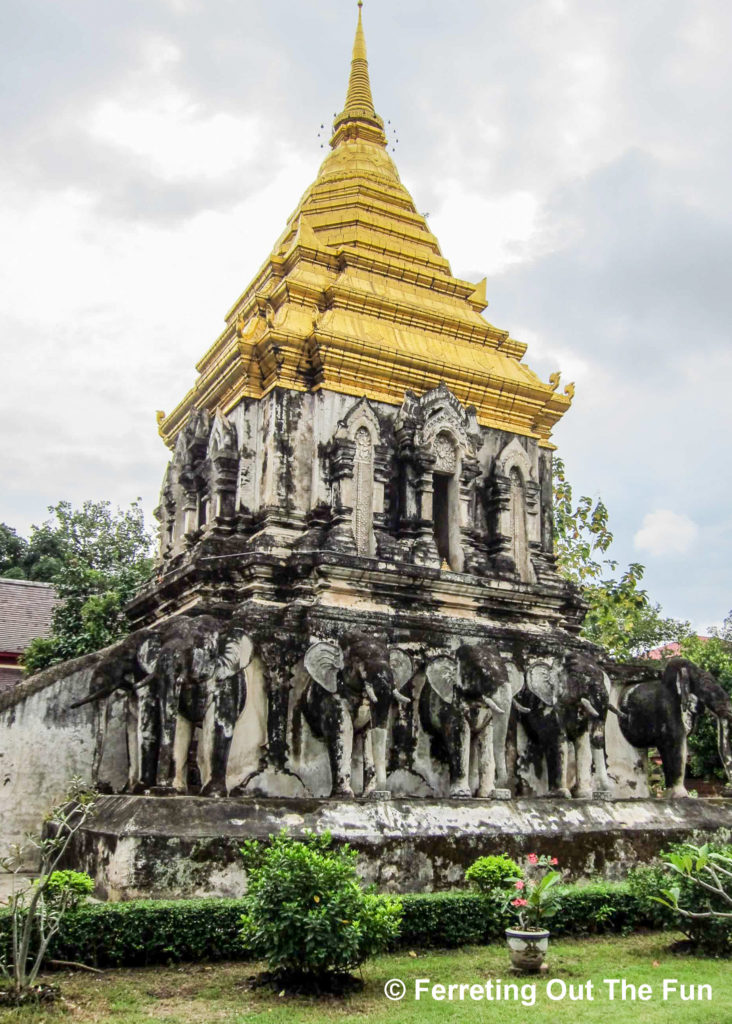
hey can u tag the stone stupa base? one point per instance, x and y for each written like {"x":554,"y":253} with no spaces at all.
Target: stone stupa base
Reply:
{"x":171,"y":847}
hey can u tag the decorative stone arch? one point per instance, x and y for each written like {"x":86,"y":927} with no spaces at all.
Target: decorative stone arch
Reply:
{"x":222,"y":437}
{"x":514,"y":456}
{"x":517,"y":508}
{"x":357,"y":462}
{"x":438,"y":439}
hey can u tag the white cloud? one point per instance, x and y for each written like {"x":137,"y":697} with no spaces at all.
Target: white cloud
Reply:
{"x":487,"y":233}
{"x":666,"y":533}
{"x":176,"y":138}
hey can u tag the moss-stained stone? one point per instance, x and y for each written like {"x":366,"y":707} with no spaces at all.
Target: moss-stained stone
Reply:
{"x":145,"y":846}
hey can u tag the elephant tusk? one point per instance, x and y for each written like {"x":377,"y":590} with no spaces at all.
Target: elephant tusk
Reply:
{"x":147,"y":680}
{"x":370,"y":693}
{"x":489,"y":702}
{"x":400,"y":698}
{"x":521,"y":707}
{"x":589,"y":708}
{"x":616,"y":711}
{"x":97,"y":695}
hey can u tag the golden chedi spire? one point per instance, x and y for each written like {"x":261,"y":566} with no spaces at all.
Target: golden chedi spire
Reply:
{"x":356,"y":298}
{"x":358,"y":118}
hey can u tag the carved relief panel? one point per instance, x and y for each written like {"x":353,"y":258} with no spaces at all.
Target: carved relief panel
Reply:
{"x":358,"y":475}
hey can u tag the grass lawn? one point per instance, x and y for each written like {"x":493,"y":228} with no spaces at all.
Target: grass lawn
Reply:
{"x":198,"y":993}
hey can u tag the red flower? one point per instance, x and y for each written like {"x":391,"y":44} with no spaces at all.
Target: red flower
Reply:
{"x":533,"y":859}
{"x":519,"y":903}
{"x":554,"y":861}
{"x":519,"y":885}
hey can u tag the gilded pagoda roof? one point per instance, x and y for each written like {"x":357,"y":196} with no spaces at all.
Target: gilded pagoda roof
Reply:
{"x":356,"y":297}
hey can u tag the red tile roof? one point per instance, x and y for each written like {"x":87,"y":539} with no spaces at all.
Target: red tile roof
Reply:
{"x":25,"y":613}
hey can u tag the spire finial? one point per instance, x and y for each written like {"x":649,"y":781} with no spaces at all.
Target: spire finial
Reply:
{"x":358,"y":113}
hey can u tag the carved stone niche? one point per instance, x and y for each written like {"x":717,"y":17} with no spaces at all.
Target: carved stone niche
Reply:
{"x":223,"y":463}
{"x":165,"y":514}
{"x":184,"y":499}
{"x":437,"y":443}
{"x":513,"y":499}
{"x":358,"y":467}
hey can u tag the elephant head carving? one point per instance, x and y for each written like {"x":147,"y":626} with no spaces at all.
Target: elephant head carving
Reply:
{"x":356,"y":682}
{"x":468,"y":696}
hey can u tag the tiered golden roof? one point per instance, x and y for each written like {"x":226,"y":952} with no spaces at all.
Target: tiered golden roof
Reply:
{"x":357,"y":298}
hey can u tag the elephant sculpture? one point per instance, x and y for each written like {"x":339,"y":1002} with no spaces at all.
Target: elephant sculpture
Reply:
{"x":187,"y":672}
{"x":199,"y":680}
{"x":565,"y":702}
{"x":121,"y":669}
{"x":465,"y":705}
{"x":662,"y":712}
{"x":353,"y":686}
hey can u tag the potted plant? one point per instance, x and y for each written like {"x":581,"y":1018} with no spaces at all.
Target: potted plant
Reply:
{"x":532,"y":901}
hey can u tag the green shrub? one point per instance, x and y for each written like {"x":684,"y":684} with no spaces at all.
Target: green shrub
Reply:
{"x":71,"y":886}
{"x":487,"y":874}
{"x":306,"y":912}
{"x":646,"y":883}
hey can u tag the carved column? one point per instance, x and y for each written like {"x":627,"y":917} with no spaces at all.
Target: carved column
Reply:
{"x":342,"y":460}
{"x":386,"y":544}
{"x":424,"y":551}
{"x":469,"y":473}
{"x":224,"y":469}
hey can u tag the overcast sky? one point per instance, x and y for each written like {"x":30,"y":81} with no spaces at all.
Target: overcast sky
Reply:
{"x":578,"y":154}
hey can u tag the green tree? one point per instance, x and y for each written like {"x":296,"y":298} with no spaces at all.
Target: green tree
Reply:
{"x":102,"y":557}
{"x":39,"y":558}
{"x":13,"y":550}
{"x":620,"y":615}
{"x":713,"y":653}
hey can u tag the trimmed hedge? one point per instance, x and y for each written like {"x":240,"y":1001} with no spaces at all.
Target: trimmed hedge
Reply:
{"x":450,"y":919}
{"x":145,"y":932}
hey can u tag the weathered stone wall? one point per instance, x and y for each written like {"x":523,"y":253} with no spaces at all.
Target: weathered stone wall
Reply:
{"x":43,"y":745}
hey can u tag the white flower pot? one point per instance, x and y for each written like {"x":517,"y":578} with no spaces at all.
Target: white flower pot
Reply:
{"x":527,"y":949}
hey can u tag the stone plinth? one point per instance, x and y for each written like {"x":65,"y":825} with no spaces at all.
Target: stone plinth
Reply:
{"x":139,"y":846}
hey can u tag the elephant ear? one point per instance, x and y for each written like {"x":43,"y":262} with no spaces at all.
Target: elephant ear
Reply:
{"x":236,"y":656}
{"x":442,"y":674}
{"x":323,"y":661}
{"x":401,"y":666}
{"x":515,"y":678}
{"x":148,"y":652}
{"x":539,"y":681}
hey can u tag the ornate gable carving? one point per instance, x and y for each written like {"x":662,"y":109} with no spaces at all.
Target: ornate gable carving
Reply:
{"x":223,"y":436}
{"x":514,"y":456}
{"x":431,"y":421}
